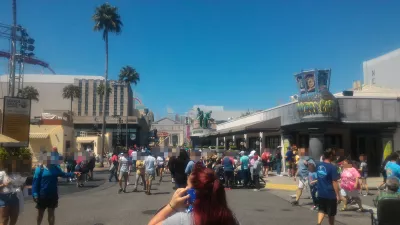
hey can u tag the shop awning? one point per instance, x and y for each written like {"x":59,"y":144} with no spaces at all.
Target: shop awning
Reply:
{"x":80,"y":140}
{"x":255,"y":126}
{"x":39,"y":135}
{"x":7,"y":139}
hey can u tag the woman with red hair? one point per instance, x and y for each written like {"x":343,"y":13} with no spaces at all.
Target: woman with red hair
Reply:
{"x":209,"y":206}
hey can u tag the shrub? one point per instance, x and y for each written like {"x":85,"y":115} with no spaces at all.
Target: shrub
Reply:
{"x":4,"y":155}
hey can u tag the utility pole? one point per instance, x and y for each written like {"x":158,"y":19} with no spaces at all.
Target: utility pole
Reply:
{"x":11,"y":90}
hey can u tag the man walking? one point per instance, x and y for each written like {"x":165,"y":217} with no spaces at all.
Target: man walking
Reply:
{"x":328,"y":188}
{"x":228,"y":164}
{"x":302,"y":174}
{"x":123,"y":170}
{"x":150,"y":165}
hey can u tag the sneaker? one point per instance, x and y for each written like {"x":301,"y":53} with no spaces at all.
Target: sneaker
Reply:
{"x":119,"y":191}
{"x":256,"y":190}
{"x":295,"y":203}
{"x":127,"y":183}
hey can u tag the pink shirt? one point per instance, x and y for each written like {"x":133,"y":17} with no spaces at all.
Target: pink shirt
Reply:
{"x":348,"y":179}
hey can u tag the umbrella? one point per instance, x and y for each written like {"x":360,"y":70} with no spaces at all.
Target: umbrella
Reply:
{"x":6,"y":139}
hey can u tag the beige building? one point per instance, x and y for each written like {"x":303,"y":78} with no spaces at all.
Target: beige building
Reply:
{"x":172,"y":132}
{"x":48,"y":134}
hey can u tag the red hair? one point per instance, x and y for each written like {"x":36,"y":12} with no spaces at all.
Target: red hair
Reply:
{"x":210,"y":207}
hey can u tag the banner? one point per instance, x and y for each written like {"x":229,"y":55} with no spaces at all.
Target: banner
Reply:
{"x":16,"y":120}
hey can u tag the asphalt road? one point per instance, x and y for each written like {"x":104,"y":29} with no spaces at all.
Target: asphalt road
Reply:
{"x":103,"y":206}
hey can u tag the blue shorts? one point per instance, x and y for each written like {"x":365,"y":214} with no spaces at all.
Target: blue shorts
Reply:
{"x":9,"y":199}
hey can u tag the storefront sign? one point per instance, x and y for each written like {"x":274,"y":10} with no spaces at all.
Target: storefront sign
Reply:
{"x":16,"y":120}
{"x":197,"y":132}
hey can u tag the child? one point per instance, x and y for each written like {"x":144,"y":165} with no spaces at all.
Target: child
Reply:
{"x":312,"y":181}
{"x":349,"y":184}
{"x":364,"y":174}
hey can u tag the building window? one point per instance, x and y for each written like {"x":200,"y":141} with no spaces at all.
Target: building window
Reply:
{"x":272,"y":142}
{"x":94,"y":97}
{"x":332,"y":141}
{"x":121,"y":101}
{"x":80,"y":99}
{"x":115,"y":99}
{"x":86,"y":97}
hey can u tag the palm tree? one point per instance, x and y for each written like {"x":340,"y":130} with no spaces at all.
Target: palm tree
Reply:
{"x":128,"y":75}
{"x":70,"y":92}
{"x":107,"y":20}
{"x":101,"y":89}
{"x":29,"y":92}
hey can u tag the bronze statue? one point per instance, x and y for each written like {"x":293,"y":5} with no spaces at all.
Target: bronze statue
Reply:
{"x":200,"y":116}
{"x":207,"y":117}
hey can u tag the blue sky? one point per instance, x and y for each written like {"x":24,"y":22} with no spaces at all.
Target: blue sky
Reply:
{"x":239,"y":54}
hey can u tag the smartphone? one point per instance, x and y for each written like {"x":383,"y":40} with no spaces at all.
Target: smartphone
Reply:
{"x":192,"y":195}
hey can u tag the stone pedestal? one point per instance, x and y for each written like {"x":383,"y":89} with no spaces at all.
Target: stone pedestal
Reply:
{"x":316,"y":146}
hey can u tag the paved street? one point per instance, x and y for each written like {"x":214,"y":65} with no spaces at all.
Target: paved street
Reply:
{"x":102,"y":205}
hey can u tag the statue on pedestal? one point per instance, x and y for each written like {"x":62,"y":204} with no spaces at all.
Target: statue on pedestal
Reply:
{"x":200,"y":116}
{"x":207,"y":117}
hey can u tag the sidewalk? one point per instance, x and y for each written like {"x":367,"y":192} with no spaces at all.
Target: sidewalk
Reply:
{"x":288,"y":184}
{"x":285,"y":187}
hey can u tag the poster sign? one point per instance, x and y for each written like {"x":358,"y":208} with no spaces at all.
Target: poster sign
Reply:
{"x":16,"y":120}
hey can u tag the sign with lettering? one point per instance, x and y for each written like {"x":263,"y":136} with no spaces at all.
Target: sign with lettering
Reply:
{"x":16,"y":120}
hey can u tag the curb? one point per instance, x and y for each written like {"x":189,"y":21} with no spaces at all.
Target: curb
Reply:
{"x":284,"y":187}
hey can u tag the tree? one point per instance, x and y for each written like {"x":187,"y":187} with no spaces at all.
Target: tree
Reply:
{"x":128,"y":75}
{"x":107,"y":20}
{"x":70,"y":92}
{"x":101,"y":89}
{"x":29,"y":92}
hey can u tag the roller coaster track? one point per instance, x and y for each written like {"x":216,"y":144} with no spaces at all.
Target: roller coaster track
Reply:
{"x":31,"y":61}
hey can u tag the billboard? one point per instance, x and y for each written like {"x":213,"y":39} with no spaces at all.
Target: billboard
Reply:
{"x":16,"y":120}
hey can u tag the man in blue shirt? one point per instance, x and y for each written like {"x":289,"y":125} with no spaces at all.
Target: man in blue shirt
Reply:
{"x":302,"y":174}
{"x":328,"y":188}
{"x":44,"y":187}
{"x":244,"y":163}
{"x":228,"y":164}
{"x":392,"y":168}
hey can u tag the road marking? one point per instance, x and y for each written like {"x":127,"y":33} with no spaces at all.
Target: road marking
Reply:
{"x":286,"y":187}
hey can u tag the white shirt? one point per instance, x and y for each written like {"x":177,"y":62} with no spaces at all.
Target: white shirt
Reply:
{"x":134,"y":155}
{"x":124,"y":164}
{"x":160,"y":160}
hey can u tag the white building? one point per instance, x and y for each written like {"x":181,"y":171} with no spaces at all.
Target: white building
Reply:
{"x":383,"y":71}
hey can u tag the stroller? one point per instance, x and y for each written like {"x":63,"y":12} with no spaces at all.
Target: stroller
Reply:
{"x":388,"y":211}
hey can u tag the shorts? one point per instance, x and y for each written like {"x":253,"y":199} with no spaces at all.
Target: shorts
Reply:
{"x":327,"y":206}
{"x":364,"y":175}
{"x":302,"y":183}
{"x":47,"y":202}
{"x":228,"y":175}
{"x":149,"y":176}
{"x":265,"y":164}
{"x":122,"y":174}
{"x":9,"y":199}
{"x":350,"y":194}
{"x":161,"y":166}
{"x":289,"y":165}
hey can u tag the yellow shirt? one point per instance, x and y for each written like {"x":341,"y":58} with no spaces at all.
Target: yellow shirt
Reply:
{"x":139,"y":166}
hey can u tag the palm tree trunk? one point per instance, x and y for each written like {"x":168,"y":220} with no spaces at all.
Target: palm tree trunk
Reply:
{"x":126,"y":126}
{"x":105,"y":95}
{"x":70,"y":112}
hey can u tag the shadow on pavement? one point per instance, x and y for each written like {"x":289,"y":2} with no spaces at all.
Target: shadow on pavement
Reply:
{"x":161,"y":193}
{"x":150,"y":212}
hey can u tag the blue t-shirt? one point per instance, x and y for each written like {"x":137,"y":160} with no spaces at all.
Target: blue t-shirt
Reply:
{"x":392,"y":169}
{"x":303,"y":166}
{"x":244,"y":160}
{"x":189,"y":167}
{"x":326,"y":173}
{"x":289,"y":156}
{"x":227,"y":163}
{"x":312,"y":176}
{"x":47,"y":185}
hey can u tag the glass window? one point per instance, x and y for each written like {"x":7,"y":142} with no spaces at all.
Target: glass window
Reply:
{"x":272,"y":142}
